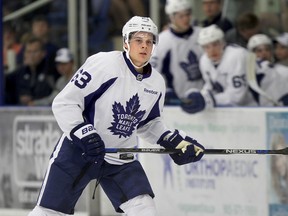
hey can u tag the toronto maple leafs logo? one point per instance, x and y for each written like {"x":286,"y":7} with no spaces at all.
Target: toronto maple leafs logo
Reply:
{"x":191,"y":68}
{"x":125,"y":120}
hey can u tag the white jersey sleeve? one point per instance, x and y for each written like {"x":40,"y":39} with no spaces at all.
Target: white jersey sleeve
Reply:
{"x":227,"y":80}
{"x":68,"y":105}
{"x":109,"y":93}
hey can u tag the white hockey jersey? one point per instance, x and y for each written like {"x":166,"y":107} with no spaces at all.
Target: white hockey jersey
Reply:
{"x":273,"y":80}
{"x":109,"y":93}
{"x":227,"y":80}
{"x":177,"y":59}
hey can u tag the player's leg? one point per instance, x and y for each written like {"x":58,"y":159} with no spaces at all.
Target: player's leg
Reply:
{"x":127,"y":186}
{"x":66,"y":177}
{"x":142,"y":205}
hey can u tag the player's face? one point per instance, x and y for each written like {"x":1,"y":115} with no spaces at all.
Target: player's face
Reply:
{"x":33,"y":54}
{"x":181,"y":20}
{"x":214,"y":50}
{"x":40,"y":28}
{"x":65,"y":69}
{"x":141,"y":45}
{"x":281,"y":52}
{"x":264,"y":52}
{"x":211,"y":8}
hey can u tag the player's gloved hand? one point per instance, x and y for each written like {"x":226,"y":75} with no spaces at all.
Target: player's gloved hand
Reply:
{"x":197,"y":101}
{"x":91,"y":144}
{"x":191,"y":150}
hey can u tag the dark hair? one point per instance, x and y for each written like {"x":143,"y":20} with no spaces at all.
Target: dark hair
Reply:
{"x":32,"y":39}
{"x":40,"y":18}
{"x":247,"y":20}
{"x":219,"y":1}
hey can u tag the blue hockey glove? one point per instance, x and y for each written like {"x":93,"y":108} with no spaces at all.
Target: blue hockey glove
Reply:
{"x":191,"y":150}
{"x":197,"y":101}
{"x":284,"y":100}
{"x":91,"y":144}
{"x":193,"y":103}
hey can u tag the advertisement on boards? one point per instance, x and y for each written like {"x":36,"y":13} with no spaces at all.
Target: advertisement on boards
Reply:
{"x":217,"y":185}
{"x":28,"y":138}
{"x":277,"y":138}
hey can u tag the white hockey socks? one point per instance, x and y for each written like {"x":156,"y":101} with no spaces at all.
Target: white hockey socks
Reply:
{"x":41,"y":211}
{"x":142,"y":205}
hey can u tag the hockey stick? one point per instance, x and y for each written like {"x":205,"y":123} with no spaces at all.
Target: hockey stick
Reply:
{"x":251,"y":78}
{"x":283,"y":151}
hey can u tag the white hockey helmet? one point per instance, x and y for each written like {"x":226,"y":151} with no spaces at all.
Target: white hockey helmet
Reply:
{"x":137,"y":24}
{"x":173,"y":6}
{"x":210,"y":34}
{"x":257,"y":40}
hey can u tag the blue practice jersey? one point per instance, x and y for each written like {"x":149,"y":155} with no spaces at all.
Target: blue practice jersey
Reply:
{"x":121,"y":103}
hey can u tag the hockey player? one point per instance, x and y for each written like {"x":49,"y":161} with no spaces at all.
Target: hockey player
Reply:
{"x":223,"y":68}
{"x":113,"y":98}
{"x":271,"y":76}
{"x":177,"y":55}
{"x":262,"y":46}
{"x":272,"y":80}
{"x":281,"y":48}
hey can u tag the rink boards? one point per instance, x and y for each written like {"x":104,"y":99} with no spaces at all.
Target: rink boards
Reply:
{"x":218,"y":185}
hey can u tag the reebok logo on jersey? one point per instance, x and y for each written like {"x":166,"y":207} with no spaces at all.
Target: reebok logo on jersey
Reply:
{"x":126,"y":120}
{"x":150,"y":91}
